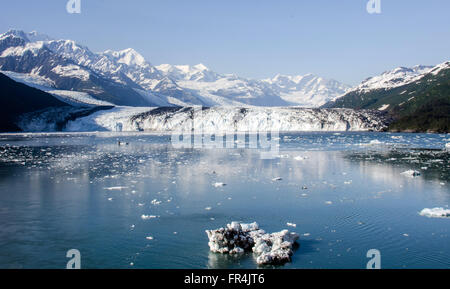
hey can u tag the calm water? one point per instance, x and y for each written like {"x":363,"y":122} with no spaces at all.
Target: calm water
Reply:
{"x":59,"y":192}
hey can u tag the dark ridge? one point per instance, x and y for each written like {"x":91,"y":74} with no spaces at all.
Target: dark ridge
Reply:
{"x":17,"y":99}
{"x":58,"y":117}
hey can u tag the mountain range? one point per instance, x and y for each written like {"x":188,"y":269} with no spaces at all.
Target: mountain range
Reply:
{"x":126,"y":78}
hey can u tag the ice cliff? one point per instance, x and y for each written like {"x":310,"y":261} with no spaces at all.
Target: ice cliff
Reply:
{"x":217,"y":119}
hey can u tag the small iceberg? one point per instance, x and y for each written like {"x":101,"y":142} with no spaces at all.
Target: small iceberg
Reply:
{"x":435,"y":213}
{"x":411,"y":173}
{"x":375,"y":142}
{"x":148,"y":217}
{"x":277,"y":179}
{"x":218,"y":185}
{"x":156,"y":202}
{"x":300,"y":158}
{"x":115,"y":188}
{"x":447,"y":146}
{"x":237,"y":238}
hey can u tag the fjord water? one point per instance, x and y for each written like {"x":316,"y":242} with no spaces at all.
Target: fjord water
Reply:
{"x":345,"y":193}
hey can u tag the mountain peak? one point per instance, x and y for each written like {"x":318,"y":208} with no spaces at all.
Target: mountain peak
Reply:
{"x":394,"y":78}
{"x":33,"y":36}
{"x":127,"y":56}
{"x":15,"y":33}
{"x":201,"y":67}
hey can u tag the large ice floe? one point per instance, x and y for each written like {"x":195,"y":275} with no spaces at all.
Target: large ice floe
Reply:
{"x":435,"y":213}
{"x":237,"y":238}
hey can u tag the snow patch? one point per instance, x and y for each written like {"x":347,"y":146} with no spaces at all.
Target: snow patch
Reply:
{"x":71,"y":71}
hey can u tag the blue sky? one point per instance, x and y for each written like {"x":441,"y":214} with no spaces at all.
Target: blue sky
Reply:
{"x":252,"y":38}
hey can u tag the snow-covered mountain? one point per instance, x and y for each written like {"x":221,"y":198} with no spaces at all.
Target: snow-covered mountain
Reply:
{"x":126,"y":78}
{"x":307,"y":90}
{"x":363,"y":95}
{"x":222,"y":89}
{"x":415,"y":99}
{"x":304,"y":91}
{"x":18,"y":54}
{"x":393,"y":78}
{"x":128,"y":68}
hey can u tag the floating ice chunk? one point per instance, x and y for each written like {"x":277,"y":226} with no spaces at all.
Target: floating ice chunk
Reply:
{"x":329,"y":202}
{"x":115,"y":188}
{"x":275,"y":248}
{"x":277,"y":179}
{"x":148,"y":217}
{"x":155,"y":202}
{"x":149,"y":238}
{"x":375,"y":142}
{"x":283,"y":156}
{"x":218,"y":185}
{"x":291,"y":225}
{"x":411,"y":173}
{"x":300,"y":158}
{"x":237,"y":238}
{"x":435,"y":213}
{"x":447,"y":146}
{"x":110,"y":199}
{"x":208,"y":208}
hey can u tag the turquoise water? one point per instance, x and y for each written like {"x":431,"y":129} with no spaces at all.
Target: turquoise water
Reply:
{"x":345,"y":193}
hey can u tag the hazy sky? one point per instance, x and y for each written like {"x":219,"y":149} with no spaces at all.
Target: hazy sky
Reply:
{"x":252,"y":38}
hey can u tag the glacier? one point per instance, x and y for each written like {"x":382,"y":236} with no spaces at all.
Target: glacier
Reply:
{"x":227,"y":119}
